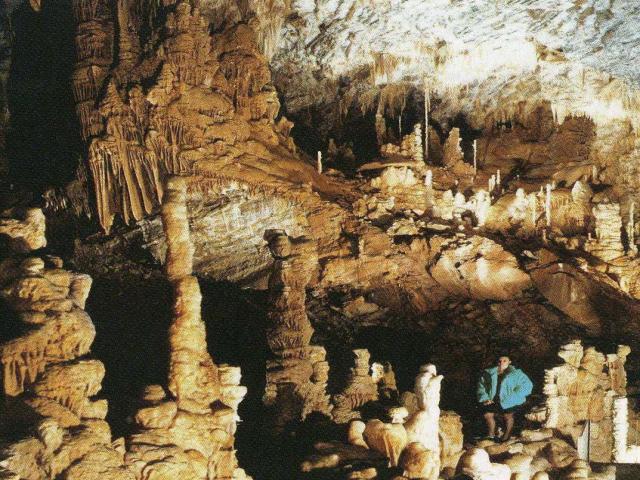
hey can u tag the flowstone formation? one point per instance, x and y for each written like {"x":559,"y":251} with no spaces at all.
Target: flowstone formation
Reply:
{"x":297,"y":373}
{"x":189,"y":434}
{"x":185,"y":102}
{"x":51,"y":425}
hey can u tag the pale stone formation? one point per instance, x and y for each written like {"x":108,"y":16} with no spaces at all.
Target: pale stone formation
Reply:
{"x":608,"y":242}
{"x":424,"y":425}
{"x":622,"y":451}
{"x":395,"y":177}
{"x":360,"y":389}
{"x":451,"y":439}
{"x":452,"y":151}
{"x":418,"y":149}
{"x":475,"y":462}
{"x":459,"y":205}
{"x":420,"y":462}
{"x":384,"y":377}
{"x":481,"y":202}
{"x":356,"y":432}
{"x":631,"y":230}
{"x":443,"y":206}
{"x":477,"y":267}
{"x":188,"y":434}
{"x":580,"y":390}
{"x":43,"y":369}
{"x":24,"y":231}
{"x":410,"y":148}
{"x":386,"y":438}
{"x":297,"y":373}
{"x":204,"y":96}
{"x":581,"y":193}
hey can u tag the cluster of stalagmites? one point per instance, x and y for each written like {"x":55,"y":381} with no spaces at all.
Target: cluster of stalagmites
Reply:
{"x":584,"y":388}
{"x":425,"y":443}
{"x":186,"y":432}
{"x":43,"y":369}
{"x":413,"y":198}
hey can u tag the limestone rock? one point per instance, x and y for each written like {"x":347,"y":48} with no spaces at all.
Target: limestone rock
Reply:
{"x":24,"y":234}
{"x":360,"y":389}
{"x":297,"y":373}
{"x":418,"y":462}
{"x":475,"y":462}
{"x":386,"y":438}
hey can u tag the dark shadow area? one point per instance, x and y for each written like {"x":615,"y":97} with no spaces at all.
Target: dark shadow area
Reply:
{"x":235,"y":320}
{"x":132,"y":320}
{"x":43,"y":143}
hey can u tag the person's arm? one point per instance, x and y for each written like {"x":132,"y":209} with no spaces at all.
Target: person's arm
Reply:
{"x":481,"y":391}
{"x":523,"y":387}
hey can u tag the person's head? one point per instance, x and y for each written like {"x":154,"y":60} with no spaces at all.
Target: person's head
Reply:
{"x":503,"y":362}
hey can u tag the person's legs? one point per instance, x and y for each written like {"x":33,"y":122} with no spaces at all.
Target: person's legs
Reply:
{"x":508,"y":421}
{"x":490,"y":419}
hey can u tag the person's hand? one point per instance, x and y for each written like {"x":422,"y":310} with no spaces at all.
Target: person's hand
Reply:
{"x":487,"y":402}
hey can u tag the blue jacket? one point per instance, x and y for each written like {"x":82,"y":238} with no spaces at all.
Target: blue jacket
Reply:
{"x":514,"y":389}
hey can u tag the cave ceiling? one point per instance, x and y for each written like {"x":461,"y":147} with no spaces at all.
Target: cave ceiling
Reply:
{"x":577,"y":55}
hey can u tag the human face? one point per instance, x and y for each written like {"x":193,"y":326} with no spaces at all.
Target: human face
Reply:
{"x":503,"y":363}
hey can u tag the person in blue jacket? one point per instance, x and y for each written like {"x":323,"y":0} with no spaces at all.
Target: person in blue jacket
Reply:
{"x":501,"y":390}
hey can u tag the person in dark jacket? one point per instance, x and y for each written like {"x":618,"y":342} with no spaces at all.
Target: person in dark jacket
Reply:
{"x":501,"y":390}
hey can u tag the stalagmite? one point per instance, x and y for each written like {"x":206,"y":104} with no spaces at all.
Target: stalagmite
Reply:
{"x":42,"y":367}
{"x":418,"y":153}
{"x":427,"y":106}
{"x":475,"y":156}
{"x":547,"y":205}
{"x":608,"y":227}
{"x":192,"y":374}
{"x":360,"y":389}
{"x":452,"y":152}
{"x":631,"y":230}
{"x":492,"y":184}
{"x":381,"y":128}
{"x":498,"y":179}
{"x":190,"y":434}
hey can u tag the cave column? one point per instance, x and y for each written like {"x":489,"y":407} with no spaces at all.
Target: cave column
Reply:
{"x":427,"y":107}
{"x":297,"y":372}
{"x":192,"y":430}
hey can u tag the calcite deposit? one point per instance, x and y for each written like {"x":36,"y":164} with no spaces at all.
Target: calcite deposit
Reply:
{"x":297,"y":373}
